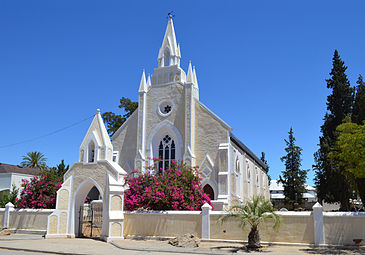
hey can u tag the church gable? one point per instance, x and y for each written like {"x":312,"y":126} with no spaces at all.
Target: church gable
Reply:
{"x":96,"y":144}
{"x":210,"y":131}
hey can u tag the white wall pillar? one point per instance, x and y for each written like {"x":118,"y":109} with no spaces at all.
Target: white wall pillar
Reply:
{"x":8,"y":207}
{"x":206,"y":208}
{"x":318,"y":224}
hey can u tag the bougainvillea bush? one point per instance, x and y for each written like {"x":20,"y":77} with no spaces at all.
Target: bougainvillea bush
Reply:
{"x":41,"y":191}
{"x":177,"y":188}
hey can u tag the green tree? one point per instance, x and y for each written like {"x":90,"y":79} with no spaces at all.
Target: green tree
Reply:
{"x":10,"y":197}
{"x":263,"y":159}
{"x":332,"y":185}
{"x":358,"y":113}
{"x":60,"y":169}
{"x":114,"y":121}
{"x":34,"y":159}
{"x":253,"y":213}
{"x":293,"y":178}
{"x":349,"y":152}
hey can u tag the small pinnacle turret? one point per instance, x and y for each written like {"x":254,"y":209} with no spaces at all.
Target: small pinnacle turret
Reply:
{"x":195,"y":80}
{"x":190,"y":76}
{"x":149,"y":82}
{"x":143,"y":85}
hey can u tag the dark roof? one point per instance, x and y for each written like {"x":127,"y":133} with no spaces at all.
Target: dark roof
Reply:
{"x":6,"y":168}
{"x":248,"y":151}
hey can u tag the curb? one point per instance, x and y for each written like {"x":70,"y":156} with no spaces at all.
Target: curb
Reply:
{"x":185,"y":250}
{"x":40,"y":251}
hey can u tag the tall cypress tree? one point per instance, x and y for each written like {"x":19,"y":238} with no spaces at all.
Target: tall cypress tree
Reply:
{"x":358,"y":116}
{"x":332,"y":185}
{"x":263,"y":159}
{"x":293,"y":178}
{"x":358,"y":113}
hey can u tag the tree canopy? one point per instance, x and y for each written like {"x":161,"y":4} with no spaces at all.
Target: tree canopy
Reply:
{"x":349,"y":149}
{"x":114,"y":121}
{"x":332,"y":185}
{"x":293,"y":178}
{"x":358,"y":113}
{"x":34,"y":159}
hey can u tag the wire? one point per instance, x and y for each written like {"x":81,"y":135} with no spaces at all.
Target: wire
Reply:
{"x":48,"y":134}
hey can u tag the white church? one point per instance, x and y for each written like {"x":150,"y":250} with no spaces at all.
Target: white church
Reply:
{"x":171,"y":123}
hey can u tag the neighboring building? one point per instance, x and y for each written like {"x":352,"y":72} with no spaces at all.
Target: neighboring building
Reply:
{"x":172,"y":124}
{"x":13,"y":175}
{"x":277,"y":194}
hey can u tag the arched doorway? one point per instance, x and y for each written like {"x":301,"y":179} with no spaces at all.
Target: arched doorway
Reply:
{"x":90,"y":215}
{"x":88,"y":210}
{"x":209,"y":191}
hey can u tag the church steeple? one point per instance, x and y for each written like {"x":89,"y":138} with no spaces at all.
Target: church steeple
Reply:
{"x":169,"y":53}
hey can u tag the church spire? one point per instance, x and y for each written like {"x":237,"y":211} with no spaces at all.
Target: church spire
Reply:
{"x":169,"y":53}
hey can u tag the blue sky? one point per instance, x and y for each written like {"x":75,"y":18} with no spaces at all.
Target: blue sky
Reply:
{"x":261,"y":66}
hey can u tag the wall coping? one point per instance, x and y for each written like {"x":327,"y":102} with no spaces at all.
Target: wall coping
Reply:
{"x":291,"y":213}
{"x":344,"y":214}
{"x":164,"y":212}
{"x":29,"y":210}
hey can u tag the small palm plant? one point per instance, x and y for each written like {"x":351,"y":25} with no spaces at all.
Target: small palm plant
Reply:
{"x":253,"y":213}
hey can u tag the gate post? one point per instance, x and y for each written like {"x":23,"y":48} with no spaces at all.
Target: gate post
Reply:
{"x":318,"y":224}
{"x":8,"y":207}
{"x":206,"y":208}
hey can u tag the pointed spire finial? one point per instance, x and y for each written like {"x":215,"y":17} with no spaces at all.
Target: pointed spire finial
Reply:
{"x":171,"y":14}
{"x":190,"y":76}
{"x":143,"y":84}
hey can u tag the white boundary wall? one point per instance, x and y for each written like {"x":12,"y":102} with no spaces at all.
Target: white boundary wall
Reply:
{"x":316,"y":227}
{"x":31,"y":220}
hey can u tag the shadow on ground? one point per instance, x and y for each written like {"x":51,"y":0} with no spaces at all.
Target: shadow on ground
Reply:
{"x":235,"y":249}
{"x":334,"y":250}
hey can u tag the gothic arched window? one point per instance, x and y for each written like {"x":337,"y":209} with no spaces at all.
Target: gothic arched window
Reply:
{"x":166,"y":153}
{"x":209,"y":191}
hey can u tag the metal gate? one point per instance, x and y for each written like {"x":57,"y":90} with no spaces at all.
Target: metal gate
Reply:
{"x":91,"y":220}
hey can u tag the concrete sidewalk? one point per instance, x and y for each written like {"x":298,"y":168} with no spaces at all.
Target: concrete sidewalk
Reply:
{"x":80,"y":246}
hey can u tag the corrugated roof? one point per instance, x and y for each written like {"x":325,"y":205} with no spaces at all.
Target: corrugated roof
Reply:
{"x":6,"y":168}
{"x":275,"y":185}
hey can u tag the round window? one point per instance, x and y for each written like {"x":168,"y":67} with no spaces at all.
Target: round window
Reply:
{"x":165,"y":108}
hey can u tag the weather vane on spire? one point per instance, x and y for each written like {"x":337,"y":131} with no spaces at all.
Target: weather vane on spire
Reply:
{"x":171,"y":14}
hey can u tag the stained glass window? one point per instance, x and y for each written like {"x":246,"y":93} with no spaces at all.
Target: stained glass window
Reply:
{"x":166,"y":153}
